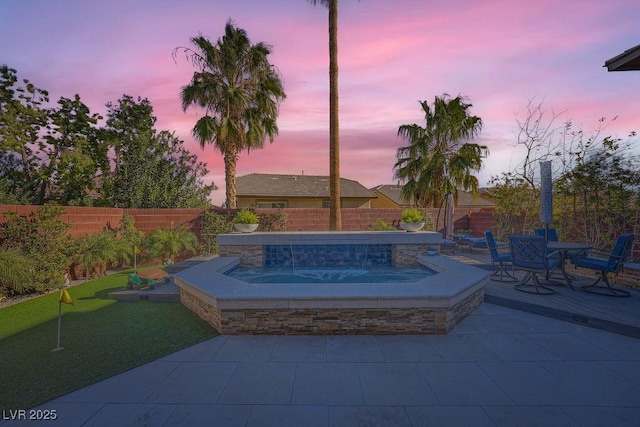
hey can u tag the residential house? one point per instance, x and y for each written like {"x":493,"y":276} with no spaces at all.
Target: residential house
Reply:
{"x":389,"y":196}
{"x":629,"y":60}
{"x":297,"y":191}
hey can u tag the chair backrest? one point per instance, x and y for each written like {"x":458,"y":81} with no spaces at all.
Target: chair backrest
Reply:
{"x":528,"y":252}
{"x":553,"y":236}
{"x":620,"y":252}
{"x":491,"y":244}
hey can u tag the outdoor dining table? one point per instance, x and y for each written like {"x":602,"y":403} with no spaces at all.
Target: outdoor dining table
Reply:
{"x":564,"y":248}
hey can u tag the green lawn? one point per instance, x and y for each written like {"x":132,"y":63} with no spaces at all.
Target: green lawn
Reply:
{"x":101,"y":338}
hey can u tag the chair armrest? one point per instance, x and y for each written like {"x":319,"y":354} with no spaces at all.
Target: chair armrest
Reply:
{"x":554,"y":254}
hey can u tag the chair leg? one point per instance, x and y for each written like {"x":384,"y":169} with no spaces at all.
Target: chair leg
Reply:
{"x":607,"y":290}
{"x":502,"y":274}
{"x":535,"y":288}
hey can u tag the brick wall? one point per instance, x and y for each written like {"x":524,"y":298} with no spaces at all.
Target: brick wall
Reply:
{"x":88,"y":220}
{"x":85,"y":220}
{"x":354,"y":219}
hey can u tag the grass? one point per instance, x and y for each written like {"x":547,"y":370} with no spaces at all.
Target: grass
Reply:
{"x":101,"y":338}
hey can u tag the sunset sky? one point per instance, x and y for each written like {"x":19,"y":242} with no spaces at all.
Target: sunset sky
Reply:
{"x":392,"y":54}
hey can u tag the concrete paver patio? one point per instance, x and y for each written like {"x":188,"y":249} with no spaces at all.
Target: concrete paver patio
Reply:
{"x":499,"y":367}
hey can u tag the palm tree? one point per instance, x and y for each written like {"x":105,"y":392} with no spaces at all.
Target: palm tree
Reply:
{"x":169,"y":243}
{"x":335,"y":218}
{"x":439,"y":160}
{"x":95,"y":252}
{"x":240,"y":92}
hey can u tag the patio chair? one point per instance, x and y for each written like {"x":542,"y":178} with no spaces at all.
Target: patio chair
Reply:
{"x":499,"y":259}
{"x":530,"y":254}
{"x":542,"y":232}
{"x":606,"y":262}
{"x":136,"y":282}
{"x":469,"y":240}
{"x":448,"y":246}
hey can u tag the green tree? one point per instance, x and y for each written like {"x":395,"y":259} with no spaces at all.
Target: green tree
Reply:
{"x":517,"y":205}
{"x":240,"y":92}
{"x":70,"y":154}
{"x":22,"y":118}
{"x":13,"y":188}
{"x":150,"y":169}
{"x":599,"y":198}
{"x":438,"y":159}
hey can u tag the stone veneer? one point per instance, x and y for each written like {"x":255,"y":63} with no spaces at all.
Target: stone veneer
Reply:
{"x":404,"y":255}
{"x":328,"y":321}
{"x":251,"y":256}
{"x":251,"y":247}
{"x":433,"y":305}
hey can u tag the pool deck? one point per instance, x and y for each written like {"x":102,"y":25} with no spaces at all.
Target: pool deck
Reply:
{"x":618,"y":315}
{"x":499,"y":367}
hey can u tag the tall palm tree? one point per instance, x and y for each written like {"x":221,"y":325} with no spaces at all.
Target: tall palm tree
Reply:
{"x":439,"y":160}
{"x":240,"y":92}
{"x":335,"y":218}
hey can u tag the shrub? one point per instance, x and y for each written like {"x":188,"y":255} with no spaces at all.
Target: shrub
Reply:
{"x":168,"y":244}
{"x":16,"y":272}
{"x":412,"y":215}
{"x":129,"y":237}
{"x":274,"y":221}
{"x":214,"y":223}
{"x":96,"y":252}
{"x":380,"y":225}
{"x":42,"y":237}
{"x":245,"y":216}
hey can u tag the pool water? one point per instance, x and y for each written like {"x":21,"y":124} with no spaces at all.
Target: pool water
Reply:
{"x":326,"y":275}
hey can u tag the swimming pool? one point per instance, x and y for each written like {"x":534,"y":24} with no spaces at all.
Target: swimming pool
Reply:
{"x":284,"y":275}
{"x":433,"y":304}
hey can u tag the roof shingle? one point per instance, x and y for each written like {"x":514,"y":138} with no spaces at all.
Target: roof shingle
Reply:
{"x":270,"y":185}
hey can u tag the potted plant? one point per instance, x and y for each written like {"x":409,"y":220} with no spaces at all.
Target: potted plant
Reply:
{"x":412,"y":220}
{"x":246,"y":221}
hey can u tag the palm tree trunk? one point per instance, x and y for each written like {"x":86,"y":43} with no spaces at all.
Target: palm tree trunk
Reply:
{"x":335,"y":218}
{"x":230,"y":161}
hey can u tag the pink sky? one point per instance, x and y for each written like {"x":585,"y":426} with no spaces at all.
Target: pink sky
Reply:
{"x":498,"y":53}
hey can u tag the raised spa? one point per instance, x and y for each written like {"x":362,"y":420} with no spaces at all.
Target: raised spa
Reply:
{"x":440,"y":293}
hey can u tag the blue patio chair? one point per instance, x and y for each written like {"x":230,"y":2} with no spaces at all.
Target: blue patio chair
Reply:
{"x":499,"y":259}
{"x":530,"y":254}
{"x":606,"y":262}
{"x":469,"y":240}
{"x":553,"y":235}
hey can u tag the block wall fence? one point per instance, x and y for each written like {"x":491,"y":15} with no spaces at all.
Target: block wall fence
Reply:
{"x":88,"y":220}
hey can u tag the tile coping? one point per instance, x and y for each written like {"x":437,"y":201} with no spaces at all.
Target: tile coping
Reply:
{"x":454,"y":282}
{"x":330,"y":237}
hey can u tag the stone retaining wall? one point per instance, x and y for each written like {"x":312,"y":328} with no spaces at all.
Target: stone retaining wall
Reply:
{"x":328,"y":321}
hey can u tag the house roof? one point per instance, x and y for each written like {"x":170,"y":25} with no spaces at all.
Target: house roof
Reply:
{"x":627,"y":61}
{"x":393,"y":192}
{"x":270,"y":185}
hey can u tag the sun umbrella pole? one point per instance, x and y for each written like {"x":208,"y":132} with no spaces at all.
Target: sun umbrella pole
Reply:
{"x":546,"y":197}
